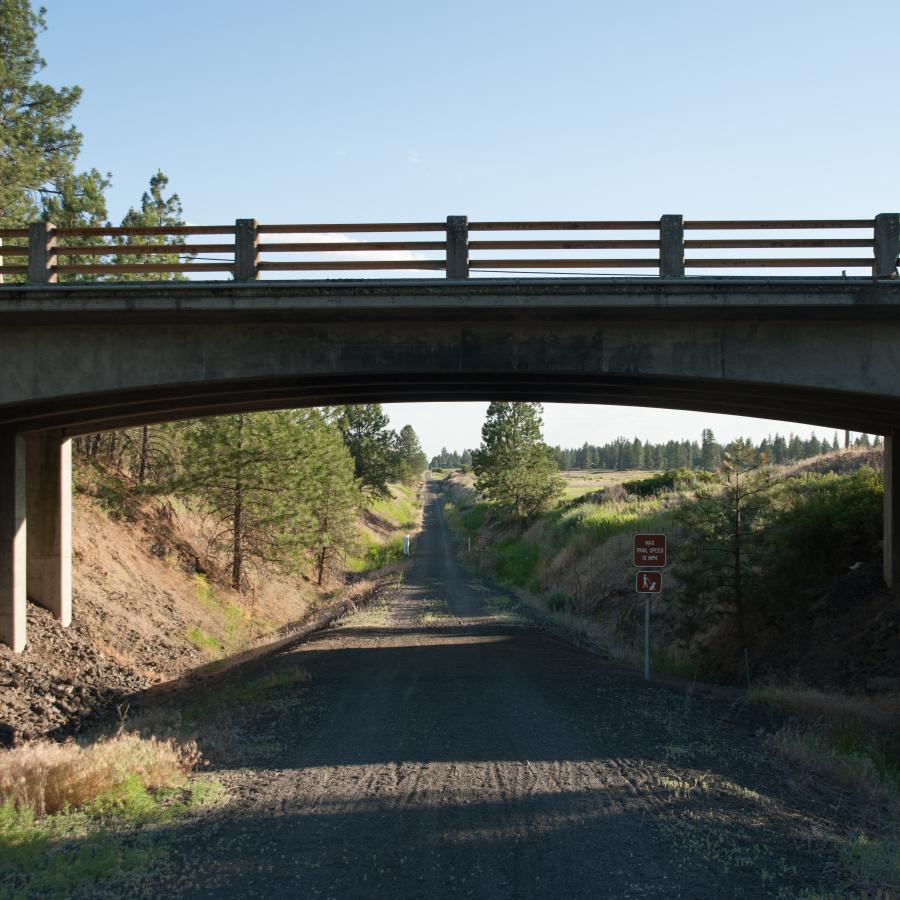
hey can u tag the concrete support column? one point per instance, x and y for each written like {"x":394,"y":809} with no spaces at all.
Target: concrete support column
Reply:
{"x":48,"y":471}
{"x":892,"y":510}
{"x":12,"y":539}
{"x":457,"y":246}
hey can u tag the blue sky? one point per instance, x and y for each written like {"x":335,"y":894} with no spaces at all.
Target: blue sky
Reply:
{"x":299,"y":111}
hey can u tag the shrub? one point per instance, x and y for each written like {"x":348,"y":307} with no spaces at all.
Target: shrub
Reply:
{"x":822,"y":524}
{"x":670,"y":480}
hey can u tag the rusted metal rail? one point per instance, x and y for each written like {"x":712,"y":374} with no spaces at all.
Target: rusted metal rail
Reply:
{"x":42,"y":253}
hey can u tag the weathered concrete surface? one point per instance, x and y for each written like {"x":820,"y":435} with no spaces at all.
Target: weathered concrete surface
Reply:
{"x":48,"y":477}
{"x":75,"y":359}
{"x":12,"y":539}
{"x":823,"y":351}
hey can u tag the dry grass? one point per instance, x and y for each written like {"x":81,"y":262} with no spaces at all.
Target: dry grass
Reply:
{"x":882,"y":713}
{"x":813,"y":752}
{"x":48,"y":778}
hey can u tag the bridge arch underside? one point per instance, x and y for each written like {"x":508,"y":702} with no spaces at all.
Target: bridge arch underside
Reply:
{"x":76,"y":360}
{"x":85,"y":413}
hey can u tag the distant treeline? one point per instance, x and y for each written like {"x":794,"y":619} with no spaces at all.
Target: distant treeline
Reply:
{"x":706,"y":453}
{"x":450,"y":459}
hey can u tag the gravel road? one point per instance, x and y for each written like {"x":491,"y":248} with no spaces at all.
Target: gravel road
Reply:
{"x":450,"y":749}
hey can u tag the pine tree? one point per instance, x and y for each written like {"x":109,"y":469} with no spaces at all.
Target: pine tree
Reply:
{"x":411,"y":458}
{"x":38,"y":145}
{"x":239,"y":468}
{"x":710,"y":451}
{"x":514,"y":468}
{"x":721,"y":535}
{"x":156,"y":211}
{"x":323,"y":483}
{"x":372,"y":445}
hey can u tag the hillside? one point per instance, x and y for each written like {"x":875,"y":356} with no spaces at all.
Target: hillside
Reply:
{"x":574,"y":563}
{"x":148,"y":606}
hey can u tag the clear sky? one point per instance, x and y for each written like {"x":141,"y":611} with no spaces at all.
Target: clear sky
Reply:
{"x":292,"y":111}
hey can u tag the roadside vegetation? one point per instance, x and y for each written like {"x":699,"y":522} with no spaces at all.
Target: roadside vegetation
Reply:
{"x":75,"y":816}
{"x":774,"y":582}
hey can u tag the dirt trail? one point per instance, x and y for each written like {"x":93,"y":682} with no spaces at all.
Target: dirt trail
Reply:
{"x":457,"y":752}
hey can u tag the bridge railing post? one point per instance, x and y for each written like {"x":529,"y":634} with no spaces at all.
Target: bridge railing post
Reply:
{"x":887,"y":244}
{"x":246,"y":250}
{"x":457,"y":246}
{"x":41,"y":253}
{"x":671,"y":246}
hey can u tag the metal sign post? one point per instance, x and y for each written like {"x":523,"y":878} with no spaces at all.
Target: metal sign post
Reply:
{"x":650,"y":553}
{"x":647,"y":583}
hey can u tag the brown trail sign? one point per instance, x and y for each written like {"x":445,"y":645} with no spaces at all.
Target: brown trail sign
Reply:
{"x":650,"y":551}
{"x":648,"y":582}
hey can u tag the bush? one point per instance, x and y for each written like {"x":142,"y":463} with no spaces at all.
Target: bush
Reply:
{"x":823,"y":524}
{"x":670,"y":480}
{"x":558,"y":602}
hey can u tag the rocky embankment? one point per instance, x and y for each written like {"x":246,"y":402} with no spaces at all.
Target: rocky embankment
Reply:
{"x":59,"y":682}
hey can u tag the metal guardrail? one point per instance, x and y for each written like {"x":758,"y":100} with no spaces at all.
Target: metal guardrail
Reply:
{"x":42,"y":252}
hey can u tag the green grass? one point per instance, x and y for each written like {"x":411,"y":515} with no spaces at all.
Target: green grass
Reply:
{"x":237,"y":694}
{"x":118,"y":792}
{"x":573,"y":492}
{"x":99,"y":843}
{"x":516,"y":562}
{"x":873,"y":863}
{"x":666,"y":661}
{"x":400,"y":510}
{"x":376,"y":555}
{"x":203,"y":641}
{"x":236,"y":623}
{"x":603,"y":520}
{"x":466,"y":518}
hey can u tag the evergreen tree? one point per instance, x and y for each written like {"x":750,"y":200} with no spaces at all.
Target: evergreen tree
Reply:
{"x":710,"y":451}
{"x":156,"y":211}
{"x":321,"y":473}
{"x":412,"y":460}
{"x":38,"y":144}
{"x":372,"y":445}
{"x":514,"y":468}
{"x":238,"y":467}
{"x":721,"y":537}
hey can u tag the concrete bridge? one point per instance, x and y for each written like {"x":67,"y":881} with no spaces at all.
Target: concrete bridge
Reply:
{"x":77,"y":358}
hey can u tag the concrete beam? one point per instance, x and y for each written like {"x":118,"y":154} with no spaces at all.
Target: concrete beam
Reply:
{"x":892,"y":510}
{"x":48,"y":469}
{"x":12,"y":539}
